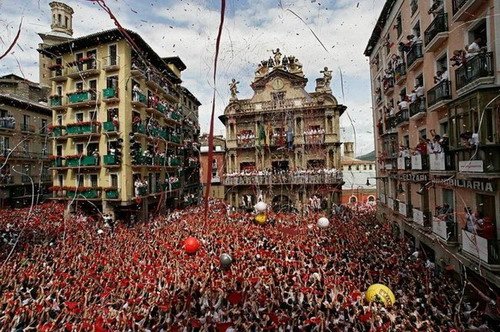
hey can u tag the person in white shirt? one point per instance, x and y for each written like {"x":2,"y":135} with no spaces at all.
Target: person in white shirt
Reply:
{"x":474,"y":47}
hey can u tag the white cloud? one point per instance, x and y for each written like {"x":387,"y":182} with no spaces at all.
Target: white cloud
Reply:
{"x":188,"y":29}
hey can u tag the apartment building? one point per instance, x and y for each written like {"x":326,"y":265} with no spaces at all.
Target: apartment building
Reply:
{"x":24,"y":143}
{"x":435,"y":83}
{"x":118,"y":125}
{"x":356,"y":174}
{"x":283,"y":143}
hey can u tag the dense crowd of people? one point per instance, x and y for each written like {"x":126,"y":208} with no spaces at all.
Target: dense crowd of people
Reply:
{"x":288,"y":275}
{"x":297,"y":176}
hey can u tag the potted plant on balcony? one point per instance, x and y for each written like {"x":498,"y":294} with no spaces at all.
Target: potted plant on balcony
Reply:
{"x":56,"y":130}
{"x":111,"y":192}
{"x":56,"y":160}
{"x":57,"y":189}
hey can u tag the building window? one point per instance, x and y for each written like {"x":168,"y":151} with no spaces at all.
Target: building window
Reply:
{"x":93,"y":180}
{"x":59,"y":120}
{"x":60,"y":180}
{"x":59,"y":150}
{"x":80,"y":180}
{"x":353,"y":199}
{"x":357,"y":167}
{"x":399,"y":25}
{"x":371,"y":199}
{"x":114,"y":180}
{"x":370,"y":167}
{"x":79,"y":148}
{"x":4,"y":145}
{"x":79,"y":117}
{"x":92,"y":115}
{"x":112,"y":55}
{"x":79,"y":86}
{"x":422,"y":133}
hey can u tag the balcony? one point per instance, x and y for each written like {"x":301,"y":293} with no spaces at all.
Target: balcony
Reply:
{"x":414,"y":57}
{"x":110,"y":95}
{"x":418,"y":109}
{"x":481,"y":162}
{"x":402,"y":117}
{"x":57,"y":161}
{"x":400,"y":73}
{"x":109,"y":126}
{"x":476,"y":71}
{"x":8,"y":123}
{"x":83,"y":128}
{"x":111,"y":160}
{"x":85,"y":193}
{"x":84,"y":67}
{"x":389,"y":86}
{"x":26,"y":179}
{"x":465,"y":10}
{"x":139,"y":99}
{"x":441,"y":162}
{"x":112,"y":193}
{"x":57,"y":131}
{"x":82,"y":161}
{"x":390,"y":124}
{"x":405,"y":209}
{"x":58,"y":73}
{"x":404,"y":163}
{"x":421,"y":218}
{"x":272,"y":179}
{"x":314,"y":139}
{"x":419,"y":162}
{"x":27,"y":128}
{"x":486,"y":250}
{"x":445,"y":227}
{"x":438,"y":94}
{"x":46,"y":178}
{"x":82,"y":99}
{"x":56,"y":102}
{"x":436,"y":33}
{"x":139,"y":128}
{"x":111,"y":63}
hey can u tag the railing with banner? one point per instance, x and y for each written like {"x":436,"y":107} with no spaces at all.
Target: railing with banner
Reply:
{"x":487,"y":250}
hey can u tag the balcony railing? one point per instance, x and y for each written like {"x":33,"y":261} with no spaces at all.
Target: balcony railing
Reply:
{"x":7,"y":123}
{"x":418,"y":107}
{"x":56,"y":101}
{"x":81,"y":97}
{"x":442,"y":161}
{"x":400,"y":71}
{"x":84,"y":128}
{"x":111,"y":159}
{"x":83,"y":161}
{"x":421,"y":218}
{"x":246,"y":142}
{"x":88,"y":193}
{"x":405,"y":209}
{"x":439,"y":92}
{"x":414,"y":53}
{"x":404,"y":163}
{"x":438,"y":25}
{"x":419,"y":162}
{"x":445,"y":227}
{"x":390,"y":123}
{"x":332,"y":178}
{"x":487,"y":250}
{"x":477,"y":67}
{"x":109,"y":126}
{"x":109,"y":93}
{"x":27,"y":127}
{"x":26,"y":178}
{"x":402,"y":117}
{"x":484,"y":159}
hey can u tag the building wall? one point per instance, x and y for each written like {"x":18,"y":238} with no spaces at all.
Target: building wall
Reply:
{"x":24,"y":152}
{"x":423,"y":191}
{"x":297,"y":110}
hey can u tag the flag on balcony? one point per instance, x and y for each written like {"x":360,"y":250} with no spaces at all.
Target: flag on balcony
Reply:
{"x":289,"y":135}
{"x":262,"y":135}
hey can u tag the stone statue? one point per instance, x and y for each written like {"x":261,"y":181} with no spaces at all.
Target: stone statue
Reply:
{"x":285,"y":62}
{"x":233,"y":87}
{"x":270,"y":62}
{"x":327,"y":77}
{"x":295,"y":67}
{"x":277,"y":57}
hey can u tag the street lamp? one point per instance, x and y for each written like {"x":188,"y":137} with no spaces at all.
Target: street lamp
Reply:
{"x":376,"y":178}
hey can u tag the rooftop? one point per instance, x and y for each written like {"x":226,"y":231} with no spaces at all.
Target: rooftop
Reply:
{"x":20,"y":102}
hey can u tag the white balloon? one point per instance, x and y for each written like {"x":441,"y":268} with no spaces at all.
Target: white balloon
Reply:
{"x":100,"y":231}
{"x":323,"y":222}
{"x":260,"y":207}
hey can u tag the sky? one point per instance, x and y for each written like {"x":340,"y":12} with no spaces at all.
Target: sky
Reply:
{"x":252,"y":28}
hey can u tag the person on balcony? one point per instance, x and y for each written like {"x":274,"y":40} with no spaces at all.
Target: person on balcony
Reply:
{"x":419,"y":91}
{"x":136,"y":91}
{"x":487,"y":229}
{"x":459,"y":57}
{"x":421,"y":147}
{"x":441,"y":76}
{"x":403,"y":104}
{"x":474,"y":48}
{"x":436,"y":8}
{"x":115,"y":121}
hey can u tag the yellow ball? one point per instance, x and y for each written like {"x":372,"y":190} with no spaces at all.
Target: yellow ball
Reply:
{"x":261,"y":219}
{"x":380,"y":293}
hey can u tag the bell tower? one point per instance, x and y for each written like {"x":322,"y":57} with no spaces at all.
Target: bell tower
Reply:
{"x":62,"y":18}
{"x":61,"y":30}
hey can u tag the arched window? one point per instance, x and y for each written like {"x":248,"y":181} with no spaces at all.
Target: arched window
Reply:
{"x":59,"y":19}
{"x":371,"y":199}
{"x":353,"y":199}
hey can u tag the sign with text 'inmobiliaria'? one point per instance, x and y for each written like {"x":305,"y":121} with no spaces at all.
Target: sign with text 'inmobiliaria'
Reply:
{"x":468,"y":184}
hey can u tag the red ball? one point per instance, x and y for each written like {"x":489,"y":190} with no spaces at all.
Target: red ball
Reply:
{"x":191,"y":245}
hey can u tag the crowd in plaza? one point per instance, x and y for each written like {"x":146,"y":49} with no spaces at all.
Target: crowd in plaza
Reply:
{"x":297,"y":176}
{"x":287,"y":275}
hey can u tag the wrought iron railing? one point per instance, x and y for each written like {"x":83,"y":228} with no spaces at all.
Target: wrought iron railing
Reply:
{"x":439,"y":92}
{"x":479,"y":66}
{"x":414,"y":53}
{"x":439,"y":24}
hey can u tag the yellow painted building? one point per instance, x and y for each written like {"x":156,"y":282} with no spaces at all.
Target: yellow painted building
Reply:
{"x":118,"y":125}
{"x":434,"y":68}
{"x":283,"y":143}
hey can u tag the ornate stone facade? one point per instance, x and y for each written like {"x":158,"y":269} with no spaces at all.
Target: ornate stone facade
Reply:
{"x":283,"y":143}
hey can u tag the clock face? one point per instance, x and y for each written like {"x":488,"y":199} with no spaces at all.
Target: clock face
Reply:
{"x":278,"y":84}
